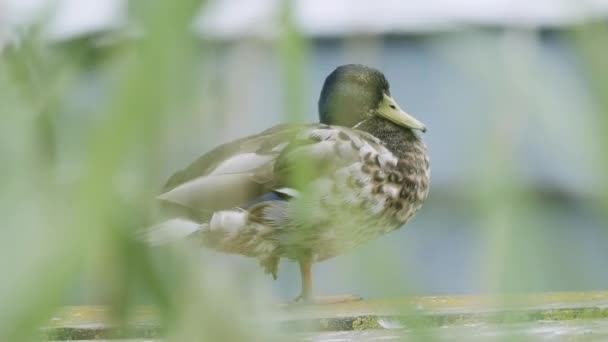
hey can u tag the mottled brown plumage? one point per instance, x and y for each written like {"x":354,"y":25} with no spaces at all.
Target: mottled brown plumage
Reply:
{"x":308,"y":192}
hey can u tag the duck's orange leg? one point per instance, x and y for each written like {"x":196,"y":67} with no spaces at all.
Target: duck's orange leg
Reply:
{"x":306,"y":277}
{"x":306,"y":296}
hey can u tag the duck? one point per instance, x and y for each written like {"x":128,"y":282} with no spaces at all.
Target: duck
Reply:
{"x":306,"y":192}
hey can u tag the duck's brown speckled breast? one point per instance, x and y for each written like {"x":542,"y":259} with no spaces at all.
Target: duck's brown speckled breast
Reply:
{"x":370,"y":197}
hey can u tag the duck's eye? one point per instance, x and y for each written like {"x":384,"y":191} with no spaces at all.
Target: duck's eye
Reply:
{"x":393,"y":106}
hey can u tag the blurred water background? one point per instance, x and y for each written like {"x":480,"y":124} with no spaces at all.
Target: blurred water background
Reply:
{"x":102,"y":100}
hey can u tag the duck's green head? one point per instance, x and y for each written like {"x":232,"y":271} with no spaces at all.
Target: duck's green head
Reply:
{"x":354,"y":93}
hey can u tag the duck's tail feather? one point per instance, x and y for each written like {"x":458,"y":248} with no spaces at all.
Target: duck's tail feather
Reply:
{"x":222,"y":224}
{"x":171,"y":230}
{"x":232,"y":231}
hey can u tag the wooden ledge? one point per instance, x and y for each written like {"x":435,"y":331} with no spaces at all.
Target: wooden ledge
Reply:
{"x":92,"y":322}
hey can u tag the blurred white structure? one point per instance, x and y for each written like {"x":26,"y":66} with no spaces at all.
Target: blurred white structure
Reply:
{"x":62,"y":19}
{"x":231,"y":19}
{"x":237,"y":18}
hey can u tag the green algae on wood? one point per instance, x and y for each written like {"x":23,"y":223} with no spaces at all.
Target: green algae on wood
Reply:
{"x":94,"y":322}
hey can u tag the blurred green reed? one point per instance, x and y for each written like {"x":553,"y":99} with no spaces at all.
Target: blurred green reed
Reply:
{"x":74,"y":193}
{"x":66,"y":221}
{"x":293,"y":59}
{"x":591,"y":40}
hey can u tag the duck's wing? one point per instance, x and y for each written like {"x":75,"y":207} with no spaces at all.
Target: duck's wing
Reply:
{"x":248,"y":180}
{"x":279,"y":161}
{"x":231,"y":174}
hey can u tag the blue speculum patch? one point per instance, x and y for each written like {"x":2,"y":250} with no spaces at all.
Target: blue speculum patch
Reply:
{"x":269,"y":196}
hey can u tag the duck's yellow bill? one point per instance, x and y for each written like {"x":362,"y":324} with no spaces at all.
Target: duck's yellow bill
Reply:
{"x":389,"y":109}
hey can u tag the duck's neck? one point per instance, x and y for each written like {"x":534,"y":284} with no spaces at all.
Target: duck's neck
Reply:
{"x":399,"y":140}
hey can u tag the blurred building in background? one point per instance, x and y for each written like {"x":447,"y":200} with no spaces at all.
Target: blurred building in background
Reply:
{"x":498,"y":83}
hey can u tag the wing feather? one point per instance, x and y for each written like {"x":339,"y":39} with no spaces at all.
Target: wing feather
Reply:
{"x":231,"y":174}
{"x":269,"y":142}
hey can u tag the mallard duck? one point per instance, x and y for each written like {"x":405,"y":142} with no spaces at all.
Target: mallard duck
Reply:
{"x":307,"y":192}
